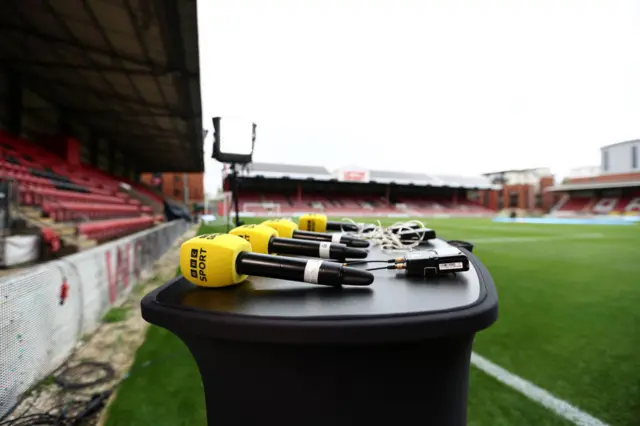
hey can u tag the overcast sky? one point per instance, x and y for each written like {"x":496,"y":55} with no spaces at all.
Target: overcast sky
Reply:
{"x":456,"y":87}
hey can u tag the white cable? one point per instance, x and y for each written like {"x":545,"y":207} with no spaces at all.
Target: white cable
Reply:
{"x":388,"y":239}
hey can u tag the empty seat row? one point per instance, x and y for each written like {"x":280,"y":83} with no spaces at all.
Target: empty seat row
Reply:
{"x":70,"y":210}
{"x":49,"y":175}
{"x":36,"y":196}
{"x":4,"y":165}
{"x":107,"y":229}
{"x":26,"y":178}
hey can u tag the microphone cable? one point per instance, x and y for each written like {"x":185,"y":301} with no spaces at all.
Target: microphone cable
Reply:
{"x":82,"y":408}
{"x":397,"y":263}
{"x":389,"y":267}
{"x":363,"y":262}
{"x":389,"y":238}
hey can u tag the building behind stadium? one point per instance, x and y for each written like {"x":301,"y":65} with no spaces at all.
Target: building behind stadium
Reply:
{"x":612,"y":188}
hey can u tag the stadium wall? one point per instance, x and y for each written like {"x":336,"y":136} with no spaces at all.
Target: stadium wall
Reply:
{"x":45,"y":312}
{"x":172,"y":185}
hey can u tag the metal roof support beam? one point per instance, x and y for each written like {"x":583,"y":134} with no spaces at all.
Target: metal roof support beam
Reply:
{"x":145,"y":50}
{"x":112,"y":112}
{"x":14,"y":103}
{"x":98,"y":93}
{"x":105,"y":37}
{"x":32,"y":32}
{"x":62,"y":23}
{"x":141,"y":134}
{"x":168,"y":12}
{"x":129,"y":124}
{"x":77,"y":67}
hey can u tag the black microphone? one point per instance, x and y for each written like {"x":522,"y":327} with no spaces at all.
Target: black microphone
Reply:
{"x":265,"y":240}
{"x":342,"y":239}
{"x":311,"y":271}
{"x":317,"y":222}
{"x":342,"y":226}
{"x":309,"y":248}
{"x":288,"y":229}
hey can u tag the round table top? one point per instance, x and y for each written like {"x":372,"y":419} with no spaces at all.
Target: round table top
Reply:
{"x":272,"y":309}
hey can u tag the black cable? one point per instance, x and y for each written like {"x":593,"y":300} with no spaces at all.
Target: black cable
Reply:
{"x":64,"y":380}
{"x":362,"y":262}
{"x":384,"y":267}
{"x":63,"y":415}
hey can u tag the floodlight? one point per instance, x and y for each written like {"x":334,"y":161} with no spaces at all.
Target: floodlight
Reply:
{"x":233,"y":140}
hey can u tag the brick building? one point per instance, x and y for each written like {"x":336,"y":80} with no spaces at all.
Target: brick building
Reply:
{"x":521,"y":189}
{"x":184,"y":187}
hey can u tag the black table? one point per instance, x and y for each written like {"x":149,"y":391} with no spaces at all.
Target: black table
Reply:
{"x":287,"y":353}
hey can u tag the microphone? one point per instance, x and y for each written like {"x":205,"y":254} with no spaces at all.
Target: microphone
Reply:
{"x":264,"y":239}
{"x":288,"y":229}
{"x":221,"y":260}
{"x":319,"y":223}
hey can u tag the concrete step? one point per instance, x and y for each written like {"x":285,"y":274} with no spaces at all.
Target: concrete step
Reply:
{"x":81,"y":243}
{"x":65,"y":231}
{"x":29,"y":213}
{"x":29,"y":209}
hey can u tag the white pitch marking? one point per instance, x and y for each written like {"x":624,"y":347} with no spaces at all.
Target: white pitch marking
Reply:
{"x":535,"y":393}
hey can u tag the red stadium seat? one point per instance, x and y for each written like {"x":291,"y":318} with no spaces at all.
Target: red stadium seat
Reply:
{"x":108,"y":229}
{"x":574,"y":204}
{"x":69,"y":210}
{"x":38,"y":195}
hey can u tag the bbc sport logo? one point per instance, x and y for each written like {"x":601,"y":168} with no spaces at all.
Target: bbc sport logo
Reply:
{"x":194,"y":263}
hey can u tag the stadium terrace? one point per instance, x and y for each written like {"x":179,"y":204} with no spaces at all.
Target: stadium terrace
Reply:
{"x":282,"y":189}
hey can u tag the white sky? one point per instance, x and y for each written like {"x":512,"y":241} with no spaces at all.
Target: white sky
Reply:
{"x":455,"y":87}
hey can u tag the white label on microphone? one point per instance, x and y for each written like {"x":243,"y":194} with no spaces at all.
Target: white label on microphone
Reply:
{"x":335,"y":238}
{"x":312,"y":270}
{"x":325,"y":250}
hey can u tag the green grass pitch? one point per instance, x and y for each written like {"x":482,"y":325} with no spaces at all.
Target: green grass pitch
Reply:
{"x":569,"y":322}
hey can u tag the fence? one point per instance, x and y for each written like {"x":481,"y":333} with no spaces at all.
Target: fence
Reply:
{"x":45,"y":312}
{"x":8,"y":200}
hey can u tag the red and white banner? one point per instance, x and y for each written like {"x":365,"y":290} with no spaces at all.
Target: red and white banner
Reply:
{"x":353,"y":176}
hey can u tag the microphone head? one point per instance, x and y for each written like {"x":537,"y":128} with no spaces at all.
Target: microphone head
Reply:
{"x":257,"y":235}
{"x":284,"y":227}
{"x":210,"y":260}
{"x":313,"y":222}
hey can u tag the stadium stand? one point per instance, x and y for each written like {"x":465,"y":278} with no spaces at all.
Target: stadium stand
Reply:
{"x":48,"y":188}
{"x":612,"y":188}
{"x":274,"y":189}
{"x":83,"y":113}
{"x":585,"y":203}
{"x":599,"y":198}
